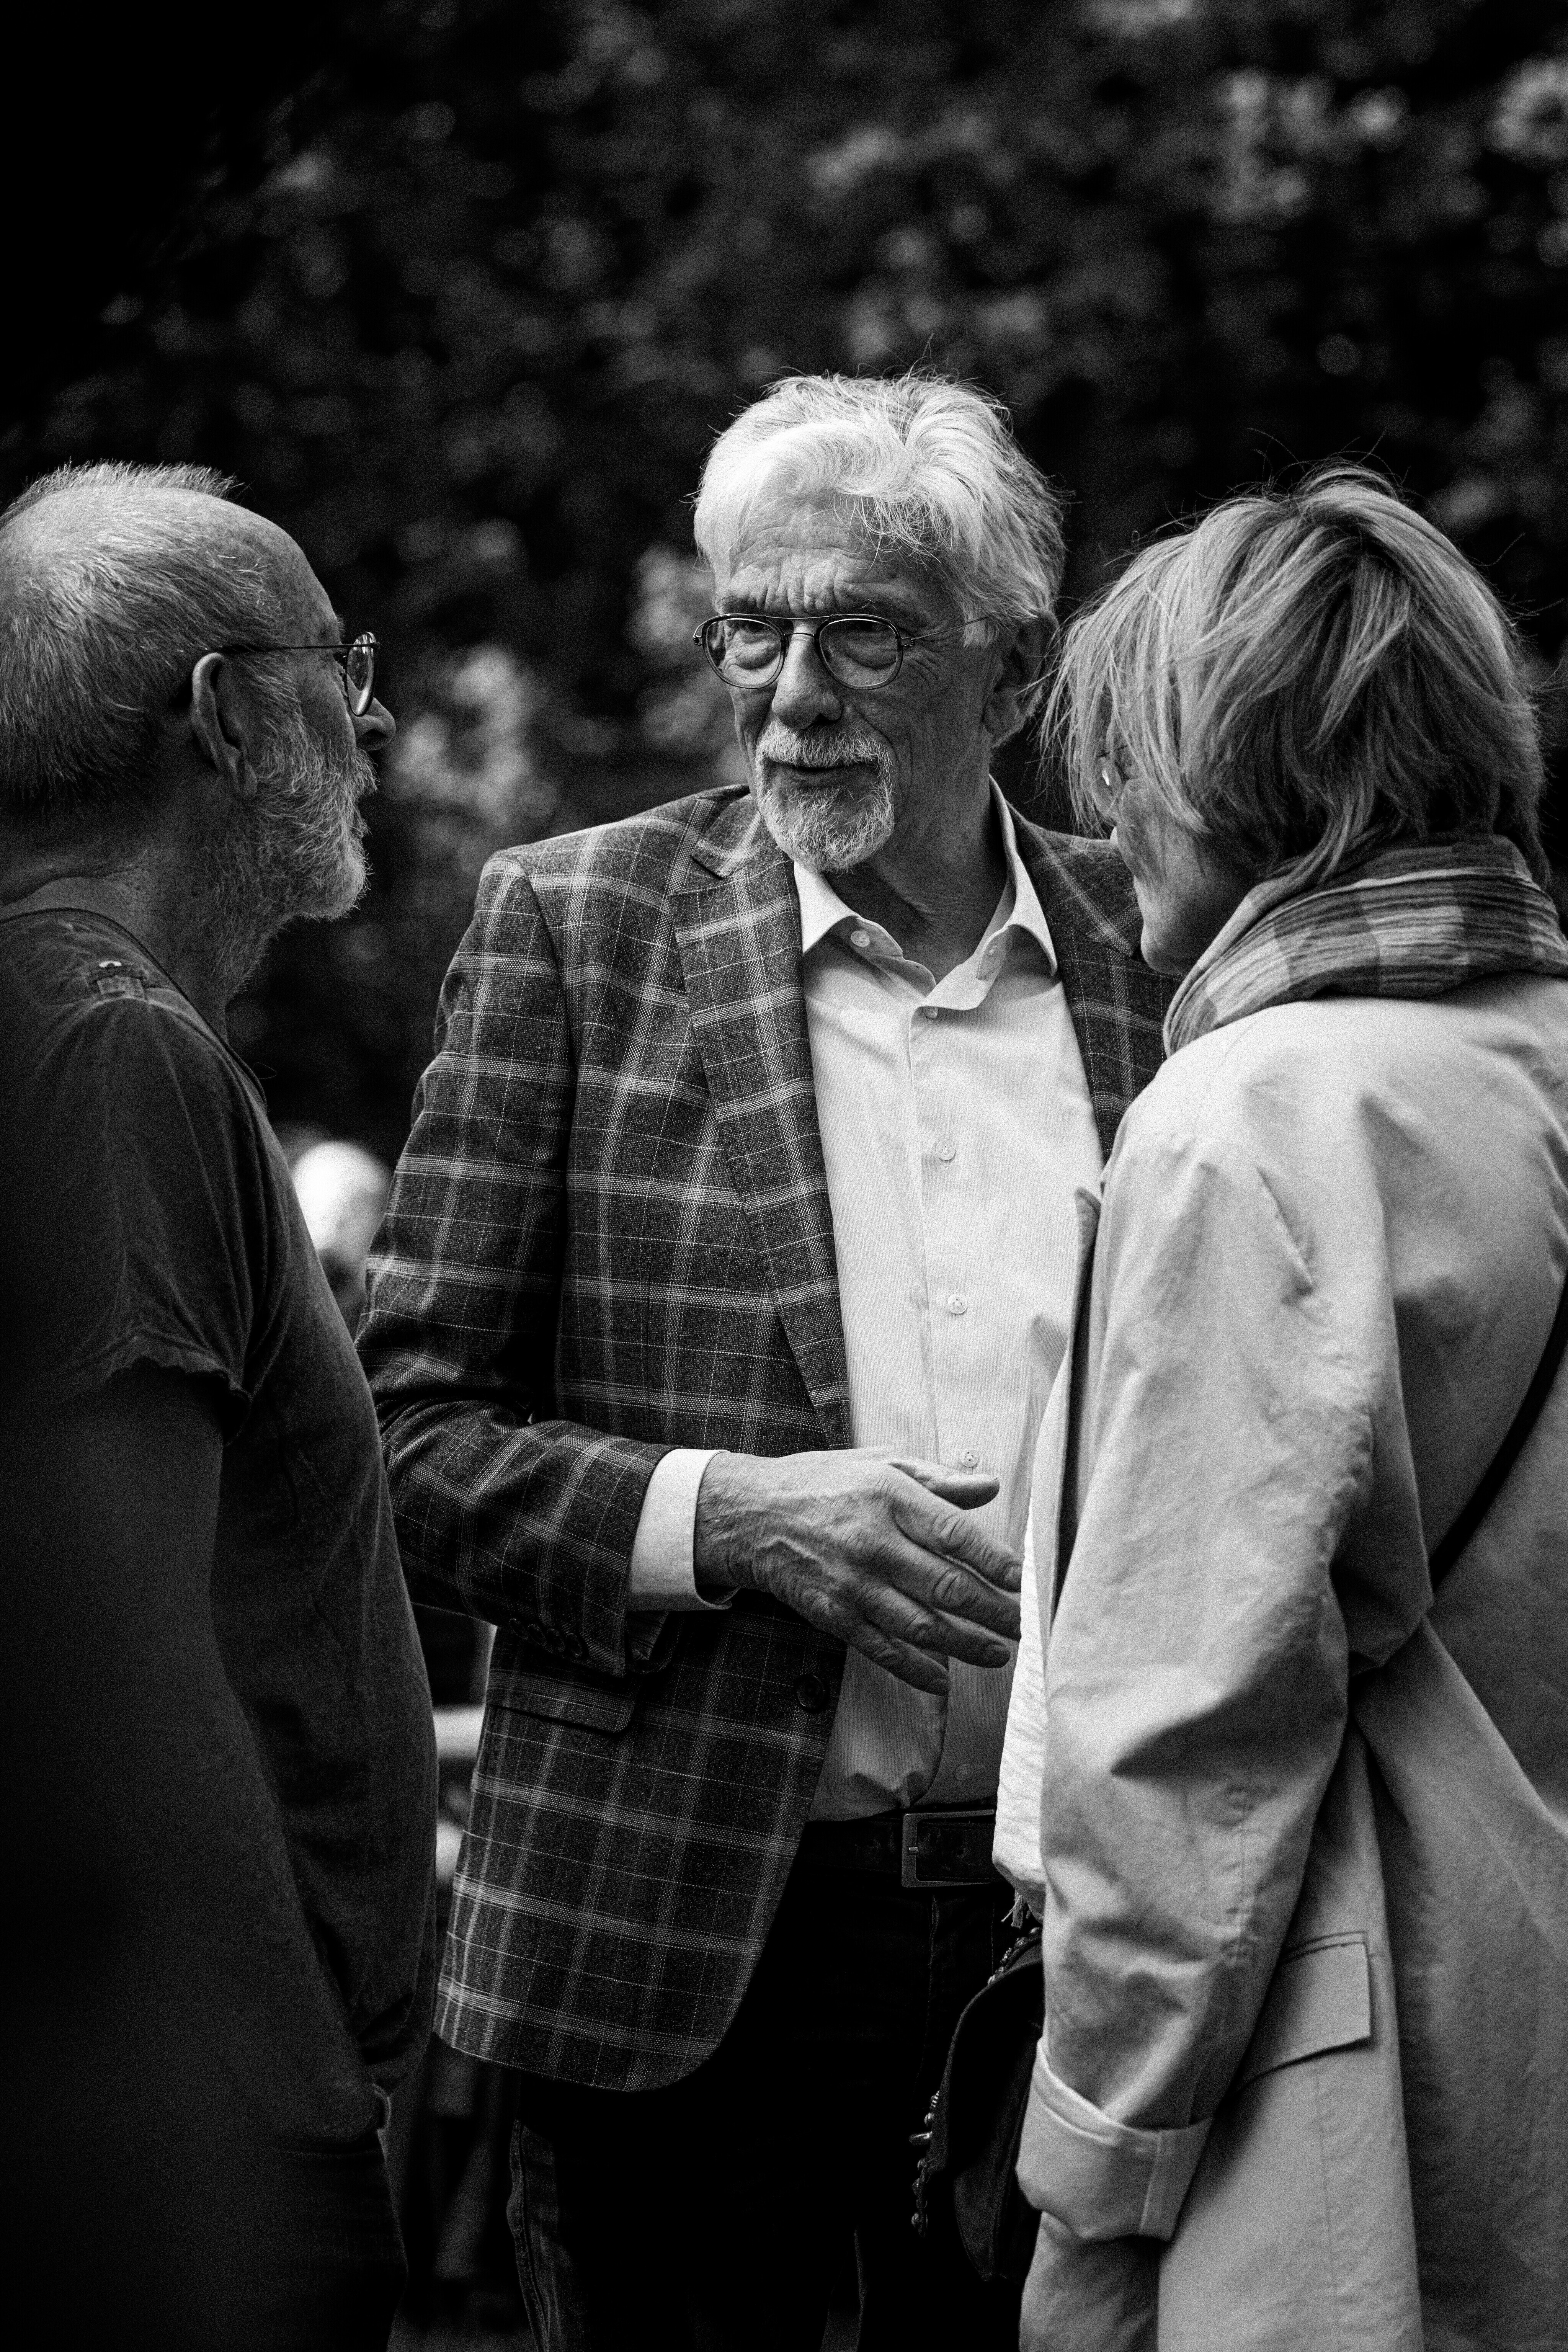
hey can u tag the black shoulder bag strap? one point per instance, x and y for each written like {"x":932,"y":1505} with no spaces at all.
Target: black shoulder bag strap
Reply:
{"x":1508,"y":1452}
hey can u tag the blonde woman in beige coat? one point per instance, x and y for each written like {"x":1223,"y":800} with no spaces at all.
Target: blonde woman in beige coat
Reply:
{"x":1295,"y":1820}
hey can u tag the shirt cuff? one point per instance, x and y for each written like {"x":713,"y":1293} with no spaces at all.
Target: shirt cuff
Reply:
{"x":1099,"y":2178}
{"x":663,"y":1572}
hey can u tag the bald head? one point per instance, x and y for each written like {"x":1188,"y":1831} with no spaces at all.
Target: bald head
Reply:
{"x":114,"y":580}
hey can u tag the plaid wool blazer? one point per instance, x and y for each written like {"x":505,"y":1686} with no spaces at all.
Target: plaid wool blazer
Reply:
{"x":610,"y":1235}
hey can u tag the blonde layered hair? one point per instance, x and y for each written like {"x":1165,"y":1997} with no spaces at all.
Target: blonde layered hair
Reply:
{"x":1306,"y":676}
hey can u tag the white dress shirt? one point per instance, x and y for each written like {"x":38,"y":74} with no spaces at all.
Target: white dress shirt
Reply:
{"x":957,"y":1125}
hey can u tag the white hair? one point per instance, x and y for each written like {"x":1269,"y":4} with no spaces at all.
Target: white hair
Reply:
{"x":916,"y":462}
{"x":113,"y":586}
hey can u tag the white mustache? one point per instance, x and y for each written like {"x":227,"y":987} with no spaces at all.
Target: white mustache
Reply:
{"x":785,"y":749}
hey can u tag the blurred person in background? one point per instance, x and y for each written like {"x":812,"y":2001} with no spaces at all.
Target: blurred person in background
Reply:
{"x":725,"y":1275}
{"x":342,"y":1190}
{"x":227,"y":1794}
{"x":1287,"y":1763}
{"x":446,"y":2144}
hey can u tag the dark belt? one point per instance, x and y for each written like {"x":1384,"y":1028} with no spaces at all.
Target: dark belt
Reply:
{"x":932,"y":1849}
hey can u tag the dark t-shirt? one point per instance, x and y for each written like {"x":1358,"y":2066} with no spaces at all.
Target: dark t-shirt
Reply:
{"x":149,"y":1219}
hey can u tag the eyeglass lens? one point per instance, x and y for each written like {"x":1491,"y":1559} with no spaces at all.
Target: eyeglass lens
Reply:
{"x":1108,"y":784}
{"x":359,"y":674}
{"x":748,"y":651}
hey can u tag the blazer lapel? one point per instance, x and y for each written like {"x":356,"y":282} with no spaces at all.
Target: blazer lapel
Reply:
{"x":1116,"y":1002}
{"x":738,"y":930}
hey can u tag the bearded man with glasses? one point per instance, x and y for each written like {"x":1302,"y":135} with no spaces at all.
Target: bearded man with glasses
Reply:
{"x":216,"y":1691}
{"x":726,"y":1272}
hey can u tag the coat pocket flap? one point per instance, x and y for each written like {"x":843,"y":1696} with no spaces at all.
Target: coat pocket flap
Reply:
{"x":597,"y":1705}
{"x":1321,"y":1999}
{"x":595,"y":1710}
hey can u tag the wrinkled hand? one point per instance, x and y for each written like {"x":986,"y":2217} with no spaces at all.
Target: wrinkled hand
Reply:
{"x":871,"y":1547}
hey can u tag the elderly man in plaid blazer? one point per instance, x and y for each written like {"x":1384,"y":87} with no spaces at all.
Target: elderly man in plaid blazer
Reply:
{"x":725,"y":1275}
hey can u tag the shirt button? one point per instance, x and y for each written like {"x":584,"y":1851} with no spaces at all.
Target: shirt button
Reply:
{"x":860,"y":939}
{"x":956,"y":1302}
{"x":969,"y":1458}
{"x":947,"y":1151}
{"x":930,"y":1011}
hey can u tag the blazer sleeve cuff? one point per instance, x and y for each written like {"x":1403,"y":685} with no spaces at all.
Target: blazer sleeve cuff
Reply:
{"x":1099,"y":2178}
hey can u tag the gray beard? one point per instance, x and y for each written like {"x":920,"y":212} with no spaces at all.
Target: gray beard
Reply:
{"x":825,"y":828}
{"x":295,"y":852}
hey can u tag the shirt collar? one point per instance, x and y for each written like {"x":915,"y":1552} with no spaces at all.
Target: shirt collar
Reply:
{"x":822,"y":909}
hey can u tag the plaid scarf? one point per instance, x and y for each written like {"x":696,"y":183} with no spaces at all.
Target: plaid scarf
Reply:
{"x":1407,"y":922}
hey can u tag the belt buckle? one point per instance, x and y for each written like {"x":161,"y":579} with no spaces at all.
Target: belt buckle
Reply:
{"x":922,"y":1843}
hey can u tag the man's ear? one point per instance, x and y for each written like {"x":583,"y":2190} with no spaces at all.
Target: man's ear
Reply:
{"x":1020,"y":664}
{"x":220,"y":724}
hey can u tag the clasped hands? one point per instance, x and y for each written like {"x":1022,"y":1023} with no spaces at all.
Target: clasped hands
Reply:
{"x":874,"y":1547}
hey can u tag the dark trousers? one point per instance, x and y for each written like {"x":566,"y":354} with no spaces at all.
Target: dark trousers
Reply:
{"x":296,"y":2251}
{"x":714,"y":2214}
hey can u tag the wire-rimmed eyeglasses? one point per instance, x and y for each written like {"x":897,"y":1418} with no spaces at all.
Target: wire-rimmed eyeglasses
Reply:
{"x":856,"y":649}
{"x":356,"y":659}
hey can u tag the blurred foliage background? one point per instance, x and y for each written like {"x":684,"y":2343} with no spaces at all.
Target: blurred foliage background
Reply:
{"x":461,"y":290}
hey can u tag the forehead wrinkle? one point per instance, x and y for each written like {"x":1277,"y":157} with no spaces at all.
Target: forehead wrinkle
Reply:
{"x":780,"y":533}
{"x":820,"y":581}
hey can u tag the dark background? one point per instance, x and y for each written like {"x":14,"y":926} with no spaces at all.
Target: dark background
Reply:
{"x":461,"y":290}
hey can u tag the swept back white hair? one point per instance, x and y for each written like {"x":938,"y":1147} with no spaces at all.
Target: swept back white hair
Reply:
{"x":915,"y":461}
{"x":112,"y":585}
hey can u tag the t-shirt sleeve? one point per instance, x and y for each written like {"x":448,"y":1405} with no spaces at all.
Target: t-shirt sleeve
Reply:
{"x":140,"y":1226}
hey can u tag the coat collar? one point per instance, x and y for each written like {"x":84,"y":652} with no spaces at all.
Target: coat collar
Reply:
{"x":739,"y":931}
{"x":733,"y":836}
{"x":737,"y":925}
{"x":1116,"y":1002}
{"x":1087,"y":889}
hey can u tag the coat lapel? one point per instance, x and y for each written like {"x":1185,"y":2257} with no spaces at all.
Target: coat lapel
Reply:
{"x":1116,"y":1002}
{"x":738,"y":929}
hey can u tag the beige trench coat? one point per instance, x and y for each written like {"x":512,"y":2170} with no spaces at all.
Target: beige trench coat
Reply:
{"x":1298,"y":1830}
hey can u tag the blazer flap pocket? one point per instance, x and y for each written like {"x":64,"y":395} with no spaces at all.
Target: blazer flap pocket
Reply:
{"x":1321,"y":1999}
{"x":597,"y":1705}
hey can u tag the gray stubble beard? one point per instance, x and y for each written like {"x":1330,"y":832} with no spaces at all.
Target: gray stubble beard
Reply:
{"x":295,"y":854}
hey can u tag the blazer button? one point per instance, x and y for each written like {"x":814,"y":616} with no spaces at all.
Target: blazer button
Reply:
{"x":810,"y":1692}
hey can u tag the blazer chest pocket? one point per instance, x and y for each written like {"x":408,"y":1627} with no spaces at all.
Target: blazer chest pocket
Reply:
{"x":1320,"y":2000}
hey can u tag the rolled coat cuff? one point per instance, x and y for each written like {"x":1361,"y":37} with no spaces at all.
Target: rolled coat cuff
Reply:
{"x":1099,"y":2178}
